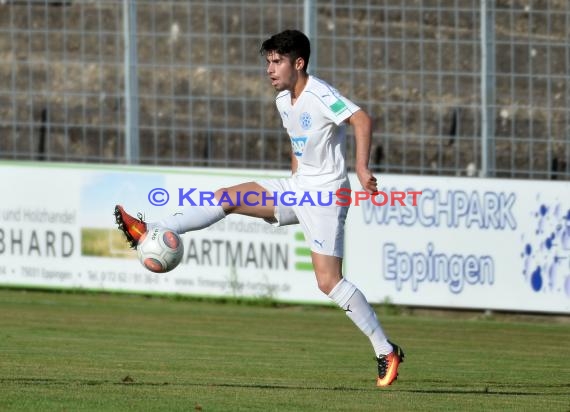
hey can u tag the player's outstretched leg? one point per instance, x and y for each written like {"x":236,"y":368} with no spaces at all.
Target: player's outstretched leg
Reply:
{"x":388,"y":366}
{"x":201,"y":216}
{"x":132,"y":227}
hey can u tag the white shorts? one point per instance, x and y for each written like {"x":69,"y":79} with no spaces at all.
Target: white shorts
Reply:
{"x":323,"y":224}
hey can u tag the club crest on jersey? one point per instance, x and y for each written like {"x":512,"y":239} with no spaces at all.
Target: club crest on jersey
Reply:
{"x":298,"y":144}
{"x":305,"y":121}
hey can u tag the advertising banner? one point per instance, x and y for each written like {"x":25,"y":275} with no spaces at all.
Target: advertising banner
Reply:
{"x":467,"y":243}
{"x":463,"y":243}
{"x":57,"y":229}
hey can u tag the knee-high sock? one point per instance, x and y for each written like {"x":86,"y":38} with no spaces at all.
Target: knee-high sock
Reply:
{"x":192,"y":218}
{"x":357,"y":308}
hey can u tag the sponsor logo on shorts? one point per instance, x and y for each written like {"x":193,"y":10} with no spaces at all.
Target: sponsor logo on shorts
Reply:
{"x":320,"y":243}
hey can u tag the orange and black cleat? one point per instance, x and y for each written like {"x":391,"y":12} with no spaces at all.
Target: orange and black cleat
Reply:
{"x":388,"y":366}
{"x":133,"y":228}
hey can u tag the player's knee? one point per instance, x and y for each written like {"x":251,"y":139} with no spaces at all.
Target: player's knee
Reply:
{"x":327,"y":283}
{"x":226,"y":199}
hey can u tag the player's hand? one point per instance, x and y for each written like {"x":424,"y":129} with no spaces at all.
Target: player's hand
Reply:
{"x":367,"y":180}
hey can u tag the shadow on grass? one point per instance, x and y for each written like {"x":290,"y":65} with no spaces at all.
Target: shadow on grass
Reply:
{"x":496,"y":389}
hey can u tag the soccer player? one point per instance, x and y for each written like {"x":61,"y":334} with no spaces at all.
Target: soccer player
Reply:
{"x":315,"y":116}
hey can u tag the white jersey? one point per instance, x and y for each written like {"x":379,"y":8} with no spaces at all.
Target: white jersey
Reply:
{"x":314,"y":125}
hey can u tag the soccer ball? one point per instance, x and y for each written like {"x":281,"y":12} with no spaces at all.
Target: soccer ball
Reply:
{"x":160,"y":250}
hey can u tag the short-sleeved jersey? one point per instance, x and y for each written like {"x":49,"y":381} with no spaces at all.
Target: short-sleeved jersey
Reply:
{"x":315,"y":126}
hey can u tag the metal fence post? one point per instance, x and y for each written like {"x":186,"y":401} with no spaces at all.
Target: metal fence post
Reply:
{"x":487,"y":88}
{"x":310,"y":29}
{"x":131,"y":82}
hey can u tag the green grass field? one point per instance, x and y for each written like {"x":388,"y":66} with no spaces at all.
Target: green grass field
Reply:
{"x":79,"y":352}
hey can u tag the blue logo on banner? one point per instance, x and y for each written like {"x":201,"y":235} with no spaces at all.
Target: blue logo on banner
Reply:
{"x":546,"y":251}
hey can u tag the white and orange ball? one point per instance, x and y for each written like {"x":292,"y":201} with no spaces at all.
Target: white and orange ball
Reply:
{"x":160,"y":250}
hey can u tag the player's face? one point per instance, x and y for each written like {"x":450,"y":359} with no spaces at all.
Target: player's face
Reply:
{"x":281,"y":71}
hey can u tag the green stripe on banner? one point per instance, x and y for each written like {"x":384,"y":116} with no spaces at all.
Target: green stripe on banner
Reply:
{"x":304,"y":266}
{"x":299,"y":236}
{"x":302,"y":251}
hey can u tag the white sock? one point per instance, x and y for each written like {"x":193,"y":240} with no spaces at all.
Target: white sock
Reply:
{"x":357,"y":308}
{"x":192,"y":218}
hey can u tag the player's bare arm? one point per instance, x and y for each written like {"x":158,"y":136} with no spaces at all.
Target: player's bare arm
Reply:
{"x":362,"y":125}
{"x":294,"y":163}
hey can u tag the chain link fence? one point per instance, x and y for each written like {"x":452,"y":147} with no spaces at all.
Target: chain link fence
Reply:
{"x":202,"y":99}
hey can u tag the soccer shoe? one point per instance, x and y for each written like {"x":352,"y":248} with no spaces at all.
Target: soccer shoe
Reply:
{"x":133,"y":228}
{"x":388,"y":366}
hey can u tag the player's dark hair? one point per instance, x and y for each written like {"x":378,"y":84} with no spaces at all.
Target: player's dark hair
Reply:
{"x":292,"y":43}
